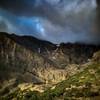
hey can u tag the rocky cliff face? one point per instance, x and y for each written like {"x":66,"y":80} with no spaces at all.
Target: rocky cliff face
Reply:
{"x":31,"y":64}
{"x":31,"y":60}
{"x":18,"y":60}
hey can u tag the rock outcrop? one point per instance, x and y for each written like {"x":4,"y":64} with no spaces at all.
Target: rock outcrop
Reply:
{"x":80,"y":86}
{"x":31,"y":60}
{"x":17,"y":60}
{"x":29,"y":64}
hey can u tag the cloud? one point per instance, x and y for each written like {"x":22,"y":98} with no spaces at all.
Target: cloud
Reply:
{"x":53,"y":20}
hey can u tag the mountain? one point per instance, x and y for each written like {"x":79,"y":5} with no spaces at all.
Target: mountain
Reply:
{"x":30,"y":64}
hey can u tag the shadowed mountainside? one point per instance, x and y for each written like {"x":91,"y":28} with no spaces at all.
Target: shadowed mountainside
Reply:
{"x":25,"y":59}
{"x":27,"y":54}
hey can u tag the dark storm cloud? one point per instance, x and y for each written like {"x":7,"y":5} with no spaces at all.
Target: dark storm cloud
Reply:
{"x":31,"y":8}
{"x":53,"y":20}
{"x":18,"y":6}
{"x":54,"y":10}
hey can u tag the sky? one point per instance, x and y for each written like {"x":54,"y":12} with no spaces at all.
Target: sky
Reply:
{"x":56,"y":21}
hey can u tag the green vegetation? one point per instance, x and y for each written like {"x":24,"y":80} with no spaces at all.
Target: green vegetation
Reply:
{"x":20,"y":62}
{"x":85,"y":84}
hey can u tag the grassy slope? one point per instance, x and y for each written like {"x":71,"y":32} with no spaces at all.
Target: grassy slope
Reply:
{"x":85,"y":84}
